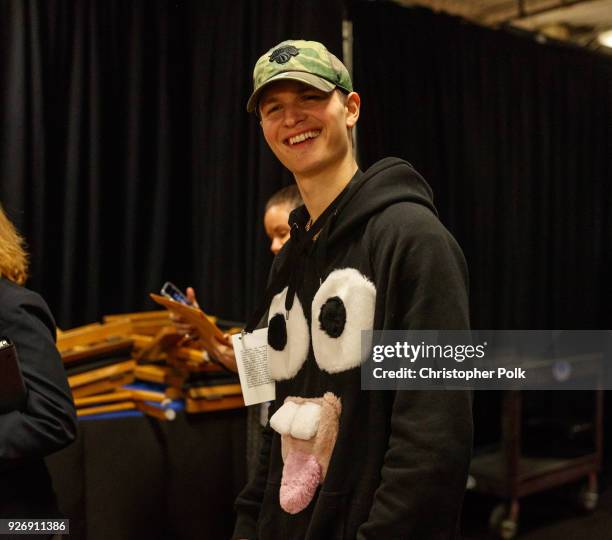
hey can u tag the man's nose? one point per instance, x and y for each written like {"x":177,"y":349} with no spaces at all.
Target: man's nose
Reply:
{"x":293,"y":115}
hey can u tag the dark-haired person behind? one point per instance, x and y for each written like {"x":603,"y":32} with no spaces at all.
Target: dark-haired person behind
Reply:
{"x":47,"y":422}
{"x":276,"y":216}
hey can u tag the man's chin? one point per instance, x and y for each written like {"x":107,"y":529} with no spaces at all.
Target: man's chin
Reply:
{"x":302,"y":167}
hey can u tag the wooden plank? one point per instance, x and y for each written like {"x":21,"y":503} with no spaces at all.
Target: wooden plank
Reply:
{"x":66,"y":335}
{"x":205,"y":405}
{"x":102,"y":373}
{"x":125,"y":394}
{"x":151,"y":328}
{"x":80,"y":352}
{"x":78,"y":330}
{"x":138,"y":316}
{"x":164,"y":339}
{"x":215,"y":392}
{"x":110,"y":397}
{"x":161,"y":375}
{"x":195,"y":356}
{"x":193,"y":366}
{"x":156,"y":374}
{"x":114,"y":407}
{"x":105,"y":385}
{"x":148,"y":395}
{"x":141,"y":341}
{"x":156,"y":412}
{"x":94,"y":333}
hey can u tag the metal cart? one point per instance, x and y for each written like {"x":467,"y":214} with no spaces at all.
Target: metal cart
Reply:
{"x":509,"y":475}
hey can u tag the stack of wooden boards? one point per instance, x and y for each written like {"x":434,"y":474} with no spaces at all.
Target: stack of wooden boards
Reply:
{"x":137,"y":361}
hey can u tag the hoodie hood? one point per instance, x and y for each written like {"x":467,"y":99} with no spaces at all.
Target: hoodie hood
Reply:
{"x":388,"y":181}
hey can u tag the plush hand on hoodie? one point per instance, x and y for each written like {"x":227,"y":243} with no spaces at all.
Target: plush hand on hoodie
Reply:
{"x":308,"y":428}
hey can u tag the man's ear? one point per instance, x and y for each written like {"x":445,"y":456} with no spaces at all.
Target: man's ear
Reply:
{"x":353,"y":104}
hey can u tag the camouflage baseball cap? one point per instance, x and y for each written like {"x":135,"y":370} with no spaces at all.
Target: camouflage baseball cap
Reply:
{"x":298,"y":60}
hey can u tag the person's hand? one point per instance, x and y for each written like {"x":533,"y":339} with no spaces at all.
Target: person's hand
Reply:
{"x":224,"y":353}
{"x":179,"y":323}
{"x":191,"y":296}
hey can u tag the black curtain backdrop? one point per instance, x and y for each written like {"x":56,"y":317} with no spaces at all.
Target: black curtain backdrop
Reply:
{"x":126,"y":155}
{"x":515,"y":137}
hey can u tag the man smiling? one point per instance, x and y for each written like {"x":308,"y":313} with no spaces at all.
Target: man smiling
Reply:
{"x":367,"y":251}
{"x":306,"y":129}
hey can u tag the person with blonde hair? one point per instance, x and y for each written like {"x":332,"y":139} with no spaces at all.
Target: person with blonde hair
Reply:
{"x":47,"y":421}
{"x":13,"y":257}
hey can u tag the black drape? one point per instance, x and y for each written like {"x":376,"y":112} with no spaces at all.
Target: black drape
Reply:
{"x":516,"y":139}
{"x":126,"y":155}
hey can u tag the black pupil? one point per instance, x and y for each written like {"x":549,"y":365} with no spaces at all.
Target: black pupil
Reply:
{"x":333,"y":317}
{"x":277,"y":332}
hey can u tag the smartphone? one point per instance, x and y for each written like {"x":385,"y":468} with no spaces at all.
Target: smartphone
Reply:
{"x":170,"y":290}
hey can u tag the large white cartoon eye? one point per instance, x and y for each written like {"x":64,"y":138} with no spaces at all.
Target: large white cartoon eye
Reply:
{"x":287,"y":339}
{"x":341,"y":309}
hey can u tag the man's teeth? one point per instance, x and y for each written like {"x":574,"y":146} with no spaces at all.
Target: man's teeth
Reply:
{"x":303,"y":136}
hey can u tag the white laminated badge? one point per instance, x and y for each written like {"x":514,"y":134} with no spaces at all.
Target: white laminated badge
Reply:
{"x":251,"y":352}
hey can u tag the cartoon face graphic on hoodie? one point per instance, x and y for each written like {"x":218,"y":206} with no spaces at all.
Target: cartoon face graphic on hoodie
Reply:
{"x":343,"y":307}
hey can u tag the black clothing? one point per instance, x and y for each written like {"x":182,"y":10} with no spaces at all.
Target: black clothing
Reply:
{"x":48,"y":422}
{"x":399,"y":465}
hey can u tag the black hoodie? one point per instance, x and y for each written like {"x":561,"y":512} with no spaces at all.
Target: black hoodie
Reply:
{"x":399,"y":464}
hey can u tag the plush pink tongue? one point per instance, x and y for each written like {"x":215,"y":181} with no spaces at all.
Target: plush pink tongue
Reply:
{"x":301,"y":476}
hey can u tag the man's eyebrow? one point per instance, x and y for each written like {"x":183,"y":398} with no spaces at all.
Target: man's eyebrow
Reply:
{"x":306,"y":89}
{"x":267,"y":99}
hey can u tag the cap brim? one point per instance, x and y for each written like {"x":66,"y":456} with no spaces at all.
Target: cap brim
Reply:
{"x":300,"y":76}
